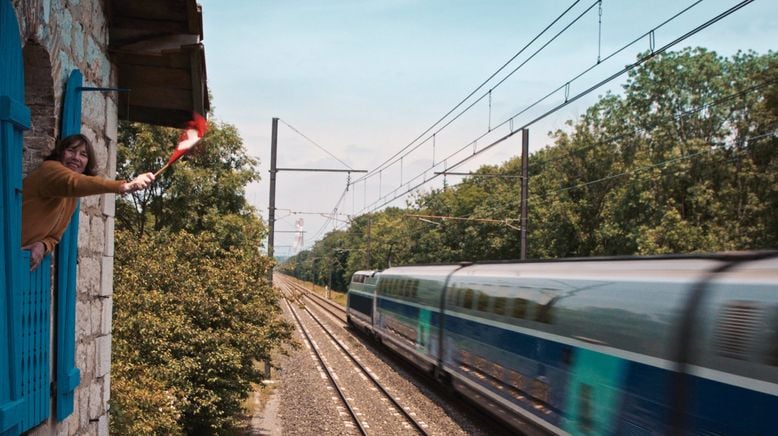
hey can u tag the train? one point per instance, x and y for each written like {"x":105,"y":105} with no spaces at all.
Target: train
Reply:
{"x":606,"y":346}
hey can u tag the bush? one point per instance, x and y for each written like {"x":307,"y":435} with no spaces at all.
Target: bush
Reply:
{"x":191,"y":318}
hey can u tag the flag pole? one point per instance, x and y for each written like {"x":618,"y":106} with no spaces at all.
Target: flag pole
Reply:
{"x":161,"y":169}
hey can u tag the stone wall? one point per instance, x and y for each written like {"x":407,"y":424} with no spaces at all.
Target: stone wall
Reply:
{"x":60,"y":36}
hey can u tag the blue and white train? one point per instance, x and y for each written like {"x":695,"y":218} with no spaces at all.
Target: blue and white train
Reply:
{"x":640,"y":346}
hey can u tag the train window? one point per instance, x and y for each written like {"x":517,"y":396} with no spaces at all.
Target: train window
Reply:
{"x":517,"y":384}
{"x":451,"y":296}
{"x":468,"y":300}
{"x":483,"y":302}
{"x":499,"y":305}
{"x":540,"y":391}
{"x":415,"y":289}
{"x":463,"y":356}
{"x":497,"y":374}
{"x":520,"y":308}
{"x":545,"y":313}
{"x":481,"y":364}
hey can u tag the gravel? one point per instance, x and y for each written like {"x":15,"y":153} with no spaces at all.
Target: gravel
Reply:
{"x":304,"y":403}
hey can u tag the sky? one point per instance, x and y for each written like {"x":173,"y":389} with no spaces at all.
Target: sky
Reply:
{"x":356,"y":82}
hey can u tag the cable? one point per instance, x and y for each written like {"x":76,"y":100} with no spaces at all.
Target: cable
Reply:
{"x":576,"y":97}
{"x":334,"y":212}
{"x":566,"y":85}
{"x":316,"y":144}
{"x":384,"y":164}
{"x":479,"y":99}
{"x":675,"y":117}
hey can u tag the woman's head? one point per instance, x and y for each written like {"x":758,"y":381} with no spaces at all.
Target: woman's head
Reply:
{"x":76,"y":153}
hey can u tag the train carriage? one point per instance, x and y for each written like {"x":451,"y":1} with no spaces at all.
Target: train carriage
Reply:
{"x":408,"y":303}
{"x":597,"y":346}
{"x":360,"y":301}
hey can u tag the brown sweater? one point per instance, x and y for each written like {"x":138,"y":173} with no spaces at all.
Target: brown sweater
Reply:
{"x":49,"y":197}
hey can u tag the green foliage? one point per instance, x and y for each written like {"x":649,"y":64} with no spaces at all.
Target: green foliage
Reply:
{"x":204,"y":191}
{"x":193,"y":311}
{"x":684,"y":160}
{"x":191,"y":318}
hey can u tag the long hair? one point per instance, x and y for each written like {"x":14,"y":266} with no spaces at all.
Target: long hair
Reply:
{"x":74,"y":141}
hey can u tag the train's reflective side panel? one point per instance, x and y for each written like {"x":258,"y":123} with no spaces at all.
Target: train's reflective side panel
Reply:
{"x":554,"y":342}
{"x":732,"y":387}
{"x":599,"y":346}
{"x":408,"y":311}
{"x":360,"y":299}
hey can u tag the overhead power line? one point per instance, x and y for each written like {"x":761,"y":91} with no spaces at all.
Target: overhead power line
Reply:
{"x":426,"y":218}
{"x":532,"y":41}
{"x":375,"y":206}
{"x":316,"y":144}
{"x":489,"y":92}
{"x":676,"y":117}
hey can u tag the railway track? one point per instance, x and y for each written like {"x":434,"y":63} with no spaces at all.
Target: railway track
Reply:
{"x":372,"y":408}
{"x":327,"y":305}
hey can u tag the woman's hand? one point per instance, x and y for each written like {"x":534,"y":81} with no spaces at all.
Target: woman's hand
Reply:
{"x":141,"y":182}
{"x":37,"y":251}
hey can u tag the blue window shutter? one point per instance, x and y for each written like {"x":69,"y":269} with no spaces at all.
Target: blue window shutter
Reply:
{"x":14,"y":119}
{"x":35,"y":356}
{"x":68,"y":375}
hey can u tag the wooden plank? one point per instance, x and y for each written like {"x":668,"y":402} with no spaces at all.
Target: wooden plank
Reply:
{"x":160,"y":117}
{"x":151,"y":9}
{"x":141,"y":76}
{"x":159,"y":97}
{"x":156,"y":26}
{"x":167,"y":59}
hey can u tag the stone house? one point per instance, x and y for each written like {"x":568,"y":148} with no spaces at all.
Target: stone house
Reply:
{"x":70,"y":66}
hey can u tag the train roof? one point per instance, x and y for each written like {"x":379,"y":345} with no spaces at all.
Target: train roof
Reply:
{"x":730,"y":256}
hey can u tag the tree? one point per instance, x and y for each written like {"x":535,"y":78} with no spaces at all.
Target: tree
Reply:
{"x":204,"y":191}
{"x":193,"y":309}
{"x":191,"y":319}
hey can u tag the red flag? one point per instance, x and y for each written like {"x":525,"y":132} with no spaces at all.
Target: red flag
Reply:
{"x":191,"y":135}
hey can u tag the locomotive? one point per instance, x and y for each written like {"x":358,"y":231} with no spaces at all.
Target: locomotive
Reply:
{"x":649,"y":345}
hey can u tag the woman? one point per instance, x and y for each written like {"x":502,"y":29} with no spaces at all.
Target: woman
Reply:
{"x":50,"y":193}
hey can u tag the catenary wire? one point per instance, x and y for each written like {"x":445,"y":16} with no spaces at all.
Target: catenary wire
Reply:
{"x":316,"y":144}
{"x":675,"y":117}
{"x":384,"y":164}
{"x":393,"y":161}
{"x":626,"y":69}
{"x":488,"y":93}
